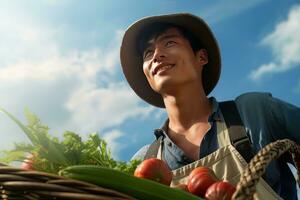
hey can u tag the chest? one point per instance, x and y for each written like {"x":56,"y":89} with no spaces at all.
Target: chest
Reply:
{"x":190,"y":142}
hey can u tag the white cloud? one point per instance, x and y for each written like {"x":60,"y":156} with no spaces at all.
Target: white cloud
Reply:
{"x":111,"y":138}
{"x":93,"y":107}
{"x":54,"y":2}
{"x":9,"y":133}
{"x":284,"y":42}
{"x":75,"y":90}
{"x":23,"y":37}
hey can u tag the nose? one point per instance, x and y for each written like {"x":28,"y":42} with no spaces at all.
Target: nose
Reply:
{"x":159,"y":55}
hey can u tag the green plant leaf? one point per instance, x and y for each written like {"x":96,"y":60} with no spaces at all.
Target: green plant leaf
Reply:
{"x":10,"y":156}
{"x":29,"y":134}
{"x":51,"y":155}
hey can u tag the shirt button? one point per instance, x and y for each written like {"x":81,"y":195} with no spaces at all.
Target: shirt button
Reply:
{"x":170,"y":144}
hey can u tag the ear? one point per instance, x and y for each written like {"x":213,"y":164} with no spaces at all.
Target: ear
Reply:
{"x":202,"y":56}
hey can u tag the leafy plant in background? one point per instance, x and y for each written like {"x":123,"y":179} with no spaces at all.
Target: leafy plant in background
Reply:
{"x":49,"y":154}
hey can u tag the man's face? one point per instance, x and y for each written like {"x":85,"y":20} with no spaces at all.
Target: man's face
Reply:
{"x":169,"y":61}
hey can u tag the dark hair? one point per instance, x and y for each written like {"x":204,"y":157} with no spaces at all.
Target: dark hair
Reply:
{"x":156,"y":29}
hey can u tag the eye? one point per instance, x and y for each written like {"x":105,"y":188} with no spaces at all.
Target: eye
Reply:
{"x":170,"y":43}
{"x":147,"y":53}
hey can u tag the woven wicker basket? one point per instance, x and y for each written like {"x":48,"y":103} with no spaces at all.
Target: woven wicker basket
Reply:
{"x":16,"y":183}
{"x":257,"y":166}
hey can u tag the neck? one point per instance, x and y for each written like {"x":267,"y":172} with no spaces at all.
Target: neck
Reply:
{"x":187,"y":107}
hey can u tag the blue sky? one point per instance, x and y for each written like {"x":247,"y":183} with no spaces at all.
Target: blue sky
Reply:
{"x":61,"y":60}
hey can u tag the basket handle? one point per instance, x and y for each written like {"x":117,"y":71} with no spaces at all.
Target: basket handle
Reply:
{"x":257,"y":166}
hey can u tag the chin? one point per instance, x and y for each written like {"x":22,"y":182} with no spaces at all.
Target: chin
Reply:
{"x":164,"y":87}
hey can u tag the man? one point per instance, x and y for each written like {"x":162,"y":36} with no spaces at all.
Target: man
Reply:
{"x":173,"y":62}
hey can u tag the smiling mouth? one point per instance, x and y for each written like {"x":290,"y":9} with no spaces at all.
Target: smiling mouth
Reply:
{"x":160,"y":69}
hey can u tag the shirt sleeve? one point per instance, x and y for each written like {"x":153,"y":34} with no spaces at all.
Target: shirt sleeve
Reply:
{"x":267,"y":118}
{"x":288,"y":118}
{"x":140,"y":154}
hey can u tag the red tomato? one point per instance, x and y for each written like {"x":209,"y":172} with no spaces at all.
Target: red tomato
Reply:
{"x":27,"y":164}
{"x":154,"y":169}
{"x":220,"y":191}
{"x":199,"y":183}
{"x":200,"y":170}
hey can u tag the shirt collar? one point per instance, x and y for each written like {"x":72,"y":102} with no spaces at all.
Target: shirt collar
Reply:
{"x":162,"y":131}
{"x":215,"y":116}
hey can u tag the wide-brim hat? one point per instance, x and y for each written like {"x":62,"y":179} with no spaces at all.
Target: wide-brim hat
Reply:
{"x":132,"y":61}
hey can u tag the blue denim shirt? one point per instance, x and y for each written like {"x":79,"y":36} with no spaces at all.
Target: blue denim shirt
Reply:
{"x":266,"y":119}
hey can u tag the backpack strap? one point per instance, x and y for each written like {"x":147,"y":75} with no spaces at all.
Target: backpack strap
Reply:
{"x":237,"y":133}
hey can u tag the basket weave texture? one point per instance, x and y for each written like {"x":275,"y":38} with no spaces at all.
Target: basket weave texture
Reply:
{"x":257,"y":166}
{"x":16,"y":183}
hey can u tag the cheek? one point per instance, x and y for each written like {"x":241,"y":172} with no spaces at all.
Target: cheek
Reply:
{"x":192,"y":61}
{"x":148,"y":75}
{"x":146,"y":70}
{"x":189,"y":69}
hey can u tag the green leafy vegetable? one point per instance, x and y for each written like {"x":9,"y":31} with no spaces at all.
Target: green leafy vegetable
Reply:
{"x":51,"y":155}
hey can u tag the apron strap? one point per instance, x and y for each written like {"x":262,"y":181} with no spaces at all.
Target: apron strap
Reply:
{"x":237,"y":133}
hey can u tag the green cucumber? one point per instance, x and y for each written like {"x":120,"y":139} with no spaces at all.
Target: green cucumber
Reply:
{"x":128,"y":184}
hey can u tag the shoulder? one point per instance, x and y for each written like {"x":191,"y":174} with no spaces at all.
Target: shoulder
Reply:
{"x":253,"y":97}
{"x":253,"y":101}
{"x":254,"y":107}
{"x":140,"y":154}
{"x":263,"y":101}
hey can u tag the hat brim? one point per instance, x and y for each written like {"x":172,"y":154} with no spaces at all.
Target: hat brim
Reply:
{"x":132,"y":61}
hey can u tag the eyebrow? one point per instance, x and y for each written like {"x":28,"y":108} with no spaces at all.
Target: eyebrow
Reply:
{"x":159,"y":38}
